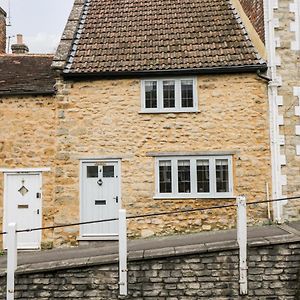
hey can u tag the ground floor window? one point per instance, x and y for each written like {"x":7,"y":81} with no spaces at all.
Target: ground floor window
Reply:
{"x":194,"y":177}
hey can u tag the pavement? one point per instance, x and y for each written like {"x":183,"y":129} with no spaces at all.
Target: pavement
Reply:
{"x":146,"y":248}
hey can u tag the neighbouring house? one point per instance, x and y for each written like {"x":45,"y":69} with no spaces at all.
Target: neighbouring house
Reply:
{"x":283,"y":45}
{"x":160,"y":105}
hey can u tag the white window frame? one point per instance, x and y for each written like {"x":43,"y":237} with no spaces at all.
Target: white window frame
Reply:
{"x":193,"y":164}
{"x":177,"y":108}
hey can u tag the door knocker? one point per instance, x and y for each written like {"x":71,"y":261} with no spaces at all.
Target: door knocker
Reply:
{"x":100,"y":182}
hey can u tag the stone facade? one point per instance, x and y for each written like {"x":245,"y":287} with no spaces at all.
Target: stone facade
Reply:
{"x":288,"y":78}
{"x":273,"y":273}
{"x":2,"y":31}
{"x":27,"y":140}
{"x":102,"y":118}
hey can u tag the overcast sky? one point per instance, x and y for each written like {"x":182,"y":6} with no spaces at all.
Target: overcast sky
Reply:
{"x":40,"y":21}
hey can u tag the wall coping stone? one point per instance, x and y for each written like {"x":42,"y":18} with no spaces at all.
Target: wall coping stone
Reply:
{"x":139,"y":255}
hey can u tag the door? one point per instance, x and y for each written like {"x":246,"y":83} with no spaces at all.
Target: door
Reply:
{"x":100,"y":197}
{"x":23,"y":205}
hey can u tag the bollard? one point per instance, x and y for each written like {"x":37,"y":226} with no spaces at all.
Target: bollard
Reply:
{"x":242,"y":242}
{"x":11,"y":260}
{"x":122,"y":252}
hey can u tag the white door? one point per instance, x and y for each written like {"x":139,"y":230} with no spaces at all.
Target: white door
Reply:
{"x":23,"y":205}
{"x":100,"y":197}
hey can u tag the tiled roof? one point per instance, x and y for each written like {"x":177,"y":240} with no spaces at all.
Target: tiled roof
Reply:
{"x":159,"y":35}
{"x":26,"y":74}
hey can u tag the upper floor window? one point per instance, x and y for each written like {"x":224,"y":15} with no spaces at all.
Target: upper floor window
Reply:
{"x":169,"y":95}
{"x":194,"y":177}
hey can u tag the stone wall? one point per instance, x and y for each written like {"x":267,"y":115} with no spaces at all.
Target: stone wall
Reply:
{"x":289,"y":95}
{"x":102,"y":118}
{"x":254,"y":9}
{"x":27,"y":140}
{"x":2,"y":31}
{"x":273,"y":273}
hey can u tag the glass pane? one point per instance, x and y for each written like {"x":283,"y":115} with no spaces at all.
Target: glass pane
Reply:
{"x":169,"y":93}
{"x":184,"y":176}
{"x":108,"y":171}
{"x":187,"y":93}
{"x":151,"y":94}
{"x":92,"y":171}
{"x":165,"y":176}
{"x":222,"y":175}
{"x":203,"y":176}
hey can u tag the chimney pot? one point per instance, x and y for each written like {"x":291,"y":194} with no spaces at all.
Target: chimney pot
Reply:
{"x":19,"y":39}
{"x":19,"y":47}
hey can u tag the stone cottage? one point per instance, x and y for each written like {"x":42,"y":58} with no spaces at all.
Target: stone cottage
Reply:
{"x":160,"y":106}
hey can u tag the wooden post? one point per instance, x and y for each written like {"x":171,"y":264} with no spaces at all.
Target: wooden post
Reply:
{"x":122,"y":252}
{"x":11,"y":260}
{"x":242,"y":242}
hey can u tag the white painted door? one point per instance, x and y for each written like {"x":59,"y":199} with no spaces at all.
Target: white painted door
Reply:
{"x":23,"y":205}
{"x":100,"y":197}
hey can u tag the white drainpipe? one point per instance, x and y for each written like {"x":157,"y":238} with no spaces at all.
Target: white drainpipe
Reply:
{"x":273,"y":110}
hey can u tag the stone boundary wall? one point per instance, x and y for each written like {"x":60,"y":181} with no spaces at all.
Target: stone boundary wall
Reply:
{"x":195,"y":273}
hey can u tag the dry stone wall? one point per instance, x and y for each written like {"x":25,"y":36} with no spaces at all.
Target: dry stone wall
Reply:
{"x":273,"y":274}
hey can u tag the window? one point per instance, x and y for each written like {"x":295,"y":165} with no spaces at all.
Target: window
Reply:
{"x":169,"y":95}
{"x":194,"y":177}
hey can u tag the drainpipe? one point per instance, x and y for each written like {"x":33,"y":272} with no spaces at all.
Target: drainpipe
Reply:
{"x":273,"y":110}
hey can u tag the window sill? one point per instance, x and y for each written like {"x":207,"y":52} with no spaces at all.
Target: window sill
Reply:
{"x":172,"y":197}
{"x":168,"y":111}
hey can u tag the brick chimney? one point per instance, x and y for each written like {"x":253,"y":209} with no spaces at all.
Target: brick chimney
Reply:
{"x":2,"y":31}
{"x":254,"y":9}
{"x":19,"y":47}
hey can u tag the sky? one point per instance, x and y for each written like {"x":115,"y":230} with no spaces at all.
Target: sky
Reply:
{"x":41,"y":22}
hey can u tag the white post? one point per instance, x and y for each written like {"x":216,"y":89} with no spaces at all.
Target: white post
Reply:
{"x":11,"y":260}
{"x":122,"y":252}
{"x":242,"y":242}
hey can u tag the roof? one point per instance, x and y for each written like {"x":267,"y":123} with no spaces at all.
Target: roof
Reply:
{"x":26,"y":74}
{"x":145,"y":36}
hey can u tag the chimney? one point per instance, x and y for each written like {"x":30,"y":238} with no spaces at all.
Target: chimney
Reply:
{"x":19,"y":47}
{"x":2,"y":31}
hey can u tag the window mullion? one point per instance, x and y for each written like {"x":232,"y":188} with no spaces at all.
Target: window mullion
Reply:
{"x":174,"y":176}
{"x":160,"y":95}
{"x":212,"y":176}
{"x":193,"y":170}
{"x":177,"y":94}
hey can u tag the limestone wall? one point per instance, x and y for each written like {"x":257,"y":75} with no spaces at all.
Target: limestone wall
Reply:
{"x":273,"y":273}
{"x":102,"y":118}
{"x":289,"y":94}
{"x":27,"y":140}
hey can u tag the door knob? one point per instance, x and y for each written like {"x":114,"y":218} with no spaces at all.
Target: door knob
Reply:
{"x":100,"y":182}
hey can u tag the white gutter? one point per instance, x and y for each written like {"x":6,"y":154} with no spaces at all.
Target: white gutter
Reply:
{"x":273,"y":110}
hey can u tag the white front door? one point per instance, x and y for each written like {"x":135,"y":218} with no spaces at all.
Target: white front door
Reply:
{"x":23,"y":205}
{"x":100,"y":197}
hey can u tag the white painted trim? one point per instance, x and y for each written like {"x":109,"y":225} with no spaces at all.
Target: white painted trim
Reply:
{"x":114,"y":237}
{"x":24,"y":170}
{"x":177,"y":108}
{"x":193,"y":194}
{"x":275,"y":139}
{"x":91,"y":160}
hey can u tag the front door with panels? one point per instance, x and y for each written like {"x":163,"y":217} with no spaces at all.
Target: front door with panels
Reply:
{"x":100,"y":198}
{"x":23,"y":206}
